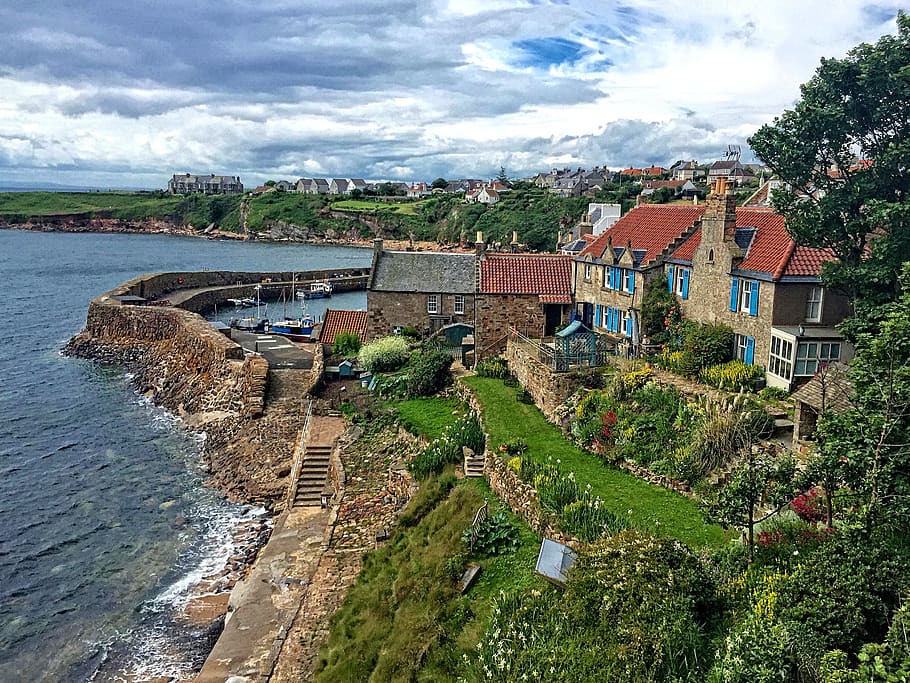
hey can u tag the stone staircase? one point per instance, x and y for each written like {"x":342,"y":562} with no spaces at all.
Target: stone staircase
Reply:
{"x":313,"y":473}
{"x":473,"y":463}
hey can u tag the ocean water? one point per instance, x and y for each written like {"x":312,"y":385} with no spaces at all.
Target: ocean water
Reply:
{"x":105,"y":516}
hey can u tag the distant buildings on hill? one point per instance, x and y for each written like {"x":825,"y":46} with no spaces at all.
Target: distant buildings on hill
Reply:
{"x":204,"y":184}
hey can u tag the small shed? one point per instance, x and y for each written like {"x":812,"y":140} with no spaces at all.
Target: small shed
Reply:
{"x":830,"y":389}
{"x":575,"y":344}
{"x":345,"y":369}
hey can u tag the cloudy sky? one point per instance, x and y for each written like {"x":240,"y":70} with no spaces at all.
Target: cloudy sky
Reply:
{"x":123,"y":94}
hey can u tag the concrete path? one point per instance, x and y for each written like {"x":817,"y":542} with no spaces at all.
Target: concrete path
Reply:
{"x":264,"y":605}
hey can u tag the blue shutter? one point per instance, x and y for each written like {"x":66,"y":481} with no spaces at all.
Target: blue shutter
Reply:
{"x":753,"y":300}
{"x":631,"y":281}
{"x":750,"y":351}
{"x":734,"y":294}
{"x":685,"y":284}
{"x":597,"y":315}
{"x":629,"y":326}
{"x":670,"y":275}
{"x":617,"y":278}
{"x":613,"y":320}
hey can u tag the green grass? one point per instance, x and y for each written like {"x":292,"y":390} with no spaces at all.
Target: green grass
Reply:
{"x":652,"y":507}
{"x":55,"y":203}
{"x":404,"y":619}
{"x":367,"y":206}
{"x":427,"y":417}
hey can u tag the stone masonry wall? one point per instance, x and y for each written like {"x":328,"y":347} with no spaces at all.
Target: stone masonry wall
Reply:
{"x":387,"y":310}
{"x":497,"y":312}
{"x":548,"y":389}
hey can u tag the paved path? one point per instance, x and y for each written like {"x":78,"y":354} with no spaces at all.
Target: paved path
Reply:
{"x":266,"y":602}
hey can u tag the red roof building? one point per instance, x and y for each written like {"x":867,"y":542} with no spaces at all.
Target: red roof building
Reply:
{"x":337,"y":322}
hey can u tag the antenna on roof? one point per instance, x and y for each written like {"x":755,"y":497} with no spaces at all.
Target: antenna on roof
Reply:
{"x":733,"y":152}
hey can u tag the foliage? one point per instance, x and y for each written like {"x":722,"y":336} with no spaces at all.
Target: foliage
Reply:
{"x":763,"y":478}
{"x":384,"y":354}
{"x":679,"y":362}
{"x":888,"y":662}
{"x":655,"y":310}
{"x":428,"y":417}
{"x":624,"y":494}
{"x":855,"y":105}
{"x":754,"y":651}
{"x":635,"y":609}
{"x":808,"y":506}
{"x":428,"y":373}
{"x":448,"y":448}
{"x":733,"y":375}
{"x":513,"y":447}
{"x":710,"y":344}
{"x":773,"y":394}
{"x":589,"y":519}
{"x":495,"y":535}
{"x":346,"y":344}
{"x":495,"y":366}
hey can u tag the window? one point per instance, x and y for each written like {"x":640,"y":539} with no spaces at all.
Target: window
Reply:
{"x":433,"y":303}
{"x":744,"y":296}
{"x":744,"y":348}
{"x":587,"y":271}
{"x":459,"y":304}
{"x":780,"y":358}
{"x":814,"y":305}
{"x":629,"y":280}
{"x":810,"y":356}
{"x":613,"y":277}
{"x":710,"y":256}
{"x":681,"y":285}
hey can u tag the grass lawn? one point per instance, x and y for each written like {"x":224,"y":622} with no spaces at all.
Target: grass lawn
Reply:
{"x":652,"y":507}
{"x":427,"y":417}
{"x":365,"y":206}
{"x":50,"y":203}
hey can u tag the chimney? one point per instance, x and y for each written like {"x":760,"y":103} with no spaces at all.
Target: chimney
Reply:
{"x":478,"y":244}
{"x":718,"y":224}
{"x":514,"y":244}
{"x":377,"y":245}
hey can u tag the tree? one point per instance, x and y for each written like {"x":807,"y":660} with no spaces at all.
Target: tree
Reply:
{"x":502,"y":177}
{"x":656,"y":307}
{"x":439,"y":184}
{"x":763,"y":479}
{"x":843,"y":153}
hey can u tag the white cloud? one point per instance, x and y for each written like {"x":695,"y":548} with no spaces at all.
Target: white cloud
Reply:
{"x":400,"y":89}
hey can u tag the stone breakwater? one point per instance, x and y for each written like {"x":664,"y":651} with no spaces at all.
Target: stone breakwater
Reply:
{"x":183,"y":364}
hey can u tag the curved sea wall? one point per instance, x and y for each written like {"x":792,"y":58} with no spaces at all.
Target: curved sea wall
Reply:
{"x":185,"y":365}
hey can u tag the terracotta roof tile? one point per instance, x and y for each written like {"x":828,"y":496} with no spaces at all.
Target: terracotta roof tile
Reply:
{"x":526,"y":274}
{"x":336,"y":322}
{"x":555,"y":298}
{"x":771,"y":251}
{"x":650,"y":227}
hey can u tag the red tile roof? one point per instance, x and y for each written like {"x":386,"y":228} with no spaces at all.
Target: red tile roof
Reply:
{"x":338,"y":322}
{"x":542,"y":274}
{"x":772,"y":250}
{"x":555,"y":298}
{"x":650,"y":227}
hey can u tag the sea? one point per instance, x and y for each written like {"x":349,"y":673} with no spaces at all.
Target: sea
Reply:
{"x":106,"y":517}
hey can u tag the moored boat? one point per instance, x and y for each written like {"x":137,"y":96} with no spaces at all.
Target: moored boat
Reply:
{"x":299,"y":329}
{"x":318,"y":290}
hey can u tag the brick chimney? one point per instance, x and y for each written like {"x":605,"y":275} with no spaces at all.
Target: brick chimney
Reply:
{"x":514,"y":244}
{"x":718,"y":224}
{"x":479,"y":244}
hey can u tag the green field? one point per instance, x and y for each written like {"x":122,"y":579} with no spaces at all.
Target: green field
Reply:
{"x":647,"y":506}
{"x":373,"y":207}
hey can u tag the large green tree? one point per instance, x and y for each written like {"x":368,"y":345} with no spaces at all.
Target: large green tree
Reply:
{"x":844,"y":153}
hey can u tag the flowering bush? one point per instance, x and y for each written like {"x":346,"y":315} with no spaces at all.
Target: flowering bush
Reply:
{"x":734,"y":375}
{"x":589,"y":519}
{"x":495,"y":367}
{"x":384,"y":354}
{"x":809,"y":506}
{"x":448,"y":448}
{"x":637,"y":378}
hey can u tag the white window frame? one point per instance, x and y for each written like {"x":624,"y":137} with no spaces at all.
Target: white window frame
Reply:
{"x":458,"y":306}
{"x":432,"y":303}
{"x":587,"y":271}
{"x":817,"y":354}
{"x":678,"y":276}
{"x":746,"y":292}
{"x":741,"y":346}
{"x":628,"y":280}
{"x":780,"y":358}
{"x":814,"y":302}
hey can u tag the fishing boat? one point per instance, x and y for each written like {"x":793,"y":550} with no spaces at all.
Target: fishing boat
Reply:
{"x":250,"y":324}
{"x":246,"y":302}
{"x":295,"y":329}
{"x":318,"y":290}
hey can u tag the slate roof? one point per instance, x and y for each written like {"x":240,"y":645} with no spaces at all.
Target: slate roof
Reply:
{"x":650,"y":227}
{"x":337,"y":322}
{"x":838,"y":390}
{"x":760,"y":233}
{"x":424,"y":271}
{"x":541,"y":274}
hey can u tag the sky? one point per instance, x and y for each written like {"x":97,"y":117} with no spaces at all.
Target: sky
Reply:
{"x":123,"y":94}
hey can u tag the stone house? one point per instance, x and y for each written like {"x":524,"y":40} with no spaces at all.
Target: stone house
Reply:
{"x":338,"y":186}
{"x":204,"y":184}
{"x":419,"y":289}
{"x":611,"y":272}
{"x":687,"y":170}
{"x":739,"y":267}
{"x":489,"y":292}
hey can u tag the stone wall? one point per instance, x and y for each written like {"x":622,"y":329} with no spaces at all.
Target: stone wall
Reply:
{"x":496,"y":313}
{"x":387,"y":310}
{"x":549,"y":389}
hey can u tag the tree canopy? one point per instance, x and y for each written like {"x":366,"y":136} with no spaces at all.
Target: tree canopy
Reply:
{"x":843,"y":153}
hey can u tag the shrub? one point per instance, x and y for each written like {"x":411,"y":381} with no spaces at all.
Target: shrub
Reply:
{"x":809,"y":506}
{"x":384,"y":355}
{"x":637,"y":378}
{"x":722,"y":431}
{"x":555,"y":489}
{"x":429,"y":373}
{"x":710,"y":344}
{"x":679,"y":362}
{"x":346,"y":344}
{"x":515,"y":446}
{"x":495,"y":367}
{"x":773,"y":394}
{"x":448,"y":448}
{"x":494,"y":536}
{"x":755,"y":651}
{"x":734,"y":375}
